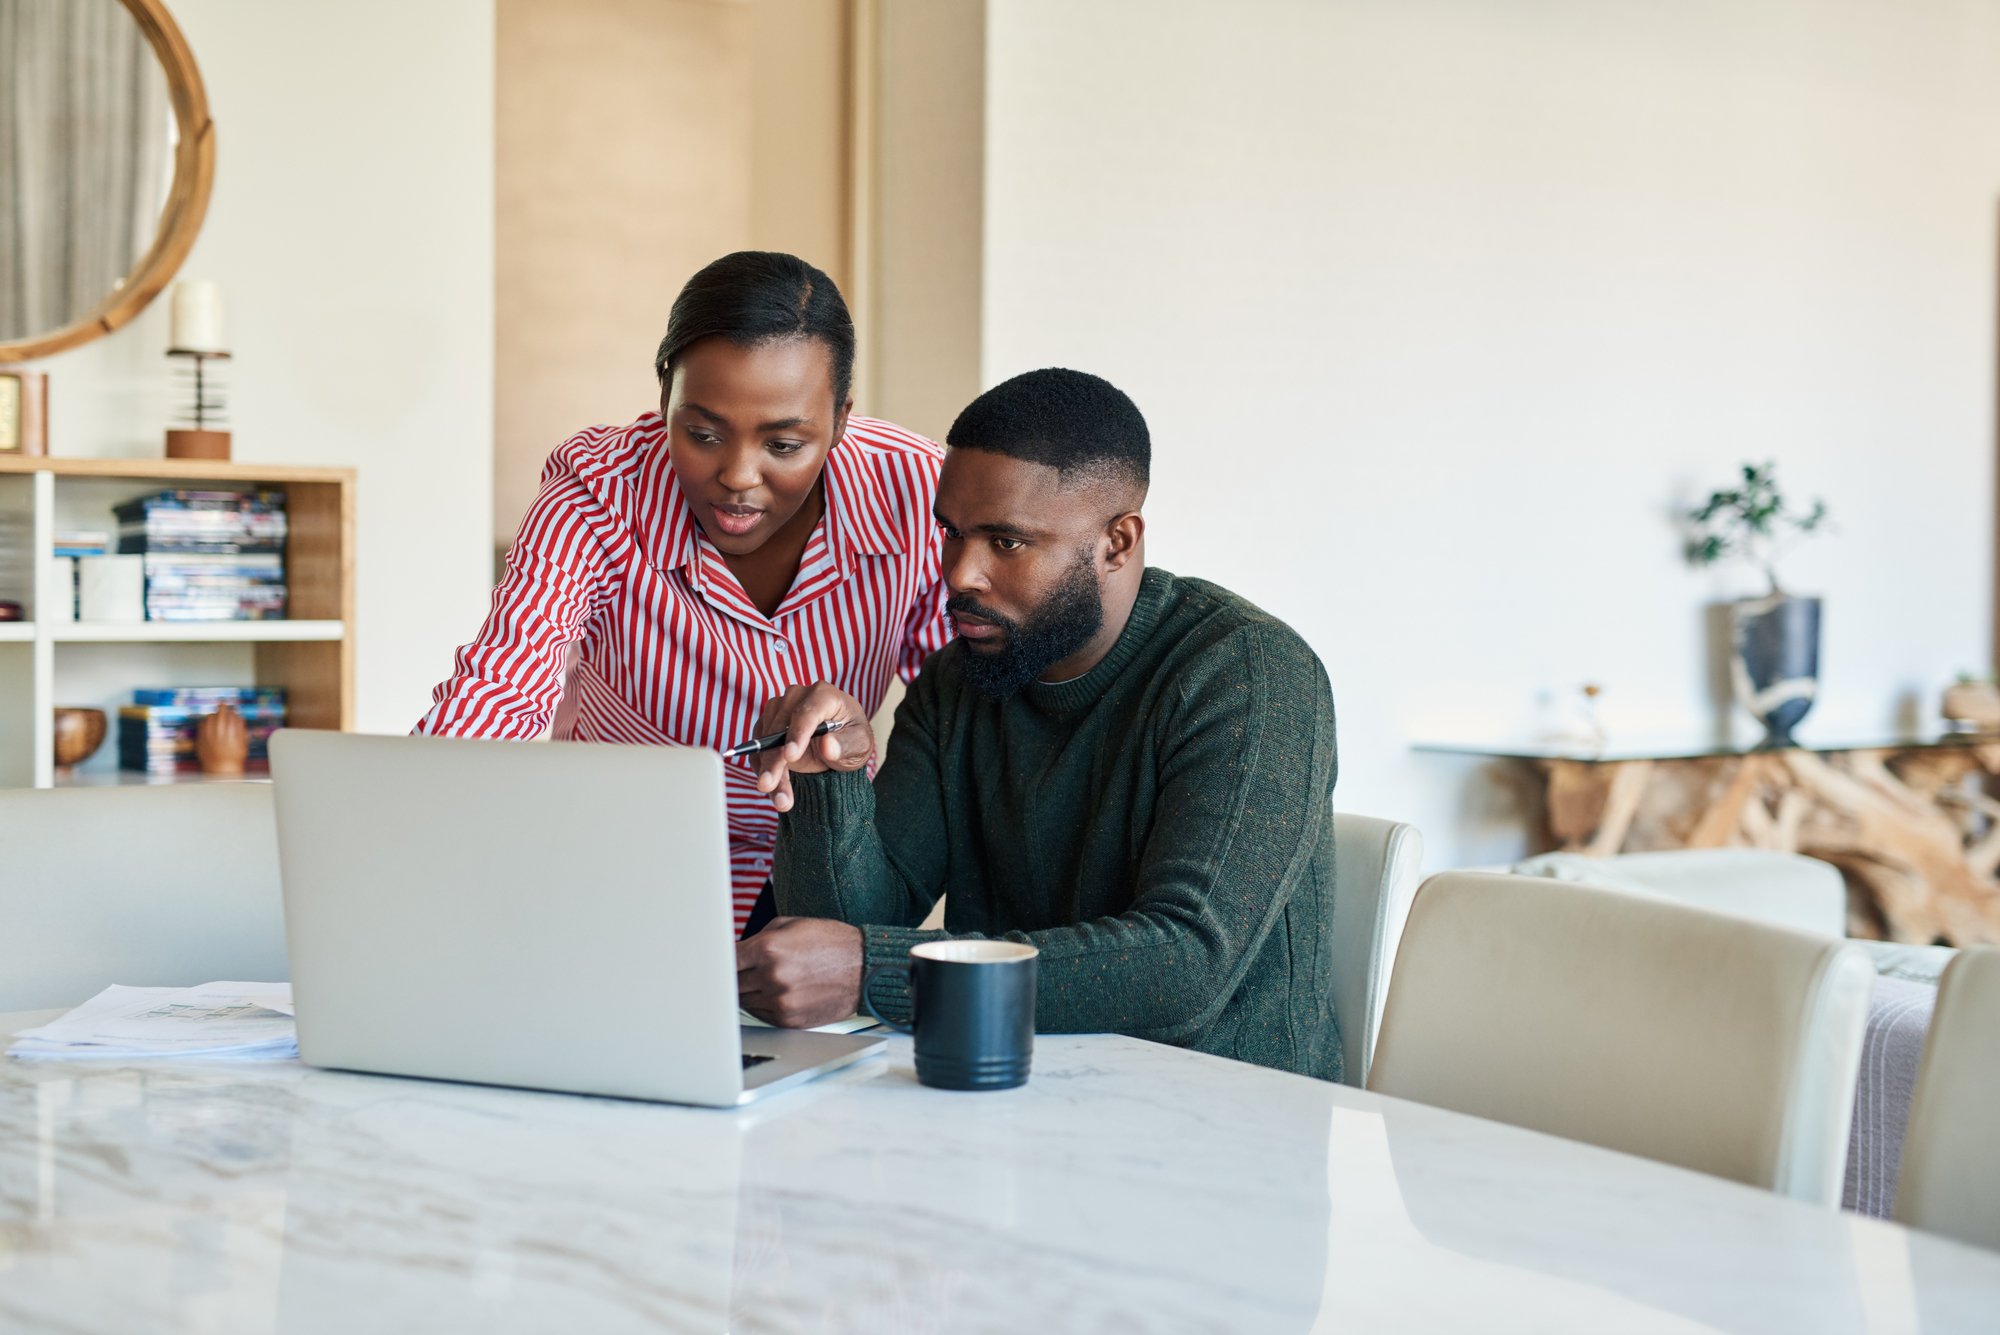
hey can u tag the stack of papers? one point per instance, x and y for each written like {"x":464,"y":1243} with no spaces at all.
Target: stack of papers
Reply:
{"x":851,"y":1025}
{"x":230,"y":1021}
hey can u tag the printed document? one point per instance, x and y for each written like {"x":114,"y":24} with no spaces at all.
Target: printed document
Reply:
{"x":236,"y":1021}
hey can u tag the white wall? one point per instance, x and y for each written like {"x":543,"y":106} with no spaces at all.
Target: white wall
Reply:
{"x":351,"y":229}
{"x":1439,"y":308}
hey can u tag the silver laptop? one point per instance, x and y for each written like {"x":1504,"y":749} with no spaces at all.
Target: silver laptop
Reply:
{"x":548,"y":915}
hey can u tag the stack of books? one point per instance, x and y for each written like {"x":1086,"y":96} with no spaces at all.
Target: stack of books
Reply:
{"x":156,"y":731}
{"x":71,"y":543}
{"x":16,"y":570}
{"x":82,"y":542}
{"x":210,"y":555}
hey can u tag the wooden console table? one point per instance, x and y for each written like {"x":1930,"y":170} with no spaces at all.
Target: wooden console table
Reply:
{"x":1909,"y":822}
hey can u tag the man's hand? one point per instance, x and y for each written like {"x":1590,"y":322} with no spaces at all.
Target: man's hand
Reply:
{"x":796,"y":713}
{"x":799,"y":972}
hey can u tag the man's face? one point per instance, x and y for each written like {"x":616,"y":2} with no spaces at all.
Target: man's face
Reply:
{"x":1021,"y":563}
{"x":748,"y":433}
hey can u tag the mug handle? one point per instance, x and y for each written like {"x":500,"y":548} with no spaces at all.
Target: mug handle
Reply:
{"x":868,"y":986}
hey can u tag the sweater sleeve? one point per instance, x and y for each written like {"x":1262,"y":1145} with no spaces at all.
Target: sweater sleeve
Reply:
{"x":863,"y":852}
{"x":1247,"y":779}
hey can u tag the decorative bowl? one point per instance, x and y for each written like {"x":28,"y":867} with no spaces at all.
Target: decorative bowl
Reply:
{"x":79,"y":732}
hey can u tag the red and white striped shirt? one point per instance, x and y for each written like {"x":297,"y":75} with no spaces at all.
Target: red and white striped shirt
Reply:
{"x":671,"y":650}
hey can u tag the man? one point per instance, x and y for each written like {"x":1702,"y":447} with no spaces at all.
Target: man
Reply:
{"x":1129,"y":770}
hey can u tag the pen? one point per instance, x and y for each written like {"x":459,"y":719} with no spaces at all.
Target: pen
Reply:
{"x":777,"y":739}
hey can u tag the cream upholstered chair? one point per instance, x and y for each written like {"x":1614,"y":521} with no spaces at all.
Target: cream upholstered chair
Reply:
{"x":151,"y":886}
{"x":1784,"y":888}
{"x":1950,"y":1177}
{"x":1675,"y":1033}
{"x":1374,"y":878}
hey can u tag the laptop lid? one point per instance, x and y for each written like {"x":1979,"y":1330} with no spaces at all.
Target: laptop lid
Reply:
{"x":550,"y":915}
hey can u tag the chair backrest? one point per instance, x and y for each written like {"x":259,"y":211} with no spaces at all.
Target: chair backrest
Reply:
{"x":1374,"y":878}
{"x":1675,"y":1033}
{"x":166,"y":885}
{"x":1785,"y":888}
{"x":1950,"y":1177}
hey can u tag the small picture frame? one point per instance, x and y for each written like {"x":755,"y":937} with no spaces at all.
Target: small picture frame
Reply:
{"x":24,"y":412}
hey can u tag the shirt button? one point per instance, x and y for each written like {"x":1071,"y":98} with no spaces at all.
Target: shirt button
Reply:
{"x":780,"y":646}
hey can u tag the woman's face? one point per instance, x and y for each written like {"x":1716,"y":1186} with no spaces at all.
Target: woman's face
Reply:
{"x":748,"y":430}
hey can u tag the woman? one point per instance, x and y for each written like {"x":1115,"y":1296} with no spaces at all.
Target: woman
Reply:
{"x":748,"y":537}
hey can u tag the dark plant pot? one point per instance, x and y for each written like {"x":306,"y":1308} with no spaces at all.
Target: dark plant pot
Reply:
{"x":1775,"y":667}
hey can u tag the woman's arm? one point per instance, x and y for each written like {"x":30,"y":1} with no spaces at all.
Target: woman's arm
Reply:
{"x":506,"y":682}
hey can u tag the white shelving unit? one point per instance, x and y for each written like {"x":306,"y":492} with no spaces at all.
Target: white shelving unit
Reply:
{"x":194,"y":632}
{"x":46,"y":662}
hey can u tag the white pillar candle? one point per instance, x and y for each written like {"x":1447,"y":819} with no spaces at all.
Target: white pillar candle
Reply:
{"x":197,"y":317}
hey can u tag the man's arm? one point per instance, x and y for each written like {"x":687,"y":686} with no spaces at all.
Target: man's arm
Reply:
{"x":805,"y":967}
{"x":836,"y":859}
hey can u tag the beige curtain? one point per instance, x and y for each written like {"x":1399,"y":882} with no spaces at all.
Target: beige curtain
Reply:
{"x":85,"y":157}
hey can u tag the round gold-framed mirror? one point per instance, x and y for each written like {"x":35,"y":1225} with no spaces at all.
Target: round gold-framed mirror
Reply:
{"x":81,"y":318}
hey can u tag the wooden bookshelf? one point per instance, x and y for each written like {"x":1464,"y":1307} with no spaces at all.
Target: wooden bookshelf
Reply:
{"x":46,"y":661}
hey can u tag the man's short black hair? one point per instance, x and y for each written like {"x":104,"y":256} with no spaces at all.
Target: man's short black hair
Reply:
{"x":1076,"y":423}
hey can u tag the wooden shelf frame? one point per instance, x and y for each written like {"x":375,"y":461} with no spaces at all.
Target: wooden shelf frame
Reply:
{"x":311,"y":654}
{"x":177,"y":470}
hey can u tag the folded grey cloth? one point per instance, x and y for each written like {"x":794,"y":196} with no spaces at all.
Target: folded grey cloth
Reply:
{"x":1899,"y":1014}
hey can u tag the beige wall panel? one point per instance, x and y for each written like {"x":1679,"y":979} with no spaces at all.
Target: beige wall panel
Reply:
{"x":798,"y":131}
{"x":637,"y":141}
{"x":928,"y":197}
{"x":623,"y":140}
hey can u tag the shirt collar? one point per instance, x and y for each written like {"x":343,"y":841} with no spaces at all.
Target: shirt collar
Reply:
{"x":859,"y":517}
{"x":671,"y":531}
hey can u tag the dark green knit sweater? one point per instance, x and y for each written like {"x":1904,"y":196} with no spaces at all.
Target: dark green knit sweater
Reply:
{"x":1159,"y":827}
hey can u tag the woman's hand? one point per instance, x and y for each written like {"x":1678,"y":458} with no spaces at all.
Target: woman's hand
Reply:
{"x":797,"y":713}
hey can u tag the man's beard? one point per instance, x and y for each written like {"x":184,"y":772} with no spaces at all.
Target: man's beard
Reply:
{"x":1058,"y":628}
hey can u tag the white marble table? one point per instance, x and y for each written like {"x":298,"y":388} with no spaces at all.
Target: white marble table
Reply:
{"x":1128,"y":1187}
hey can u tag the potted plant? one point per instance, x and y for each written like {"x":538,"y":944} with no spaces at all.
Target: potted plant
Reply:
{"x":1774,"y":663}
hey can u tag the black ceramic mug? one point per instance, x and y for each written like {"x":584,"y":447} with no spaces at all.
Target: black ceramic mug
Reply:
{"x":973,"y":1006}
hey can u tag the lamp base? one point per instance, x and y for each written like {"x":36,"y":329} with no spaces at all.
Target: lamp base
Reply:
{"x":197,"y":444}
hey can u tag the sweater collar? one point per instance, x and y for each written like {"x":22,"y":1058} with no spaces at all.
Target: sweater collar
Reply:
{"x":1078,"y":693}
